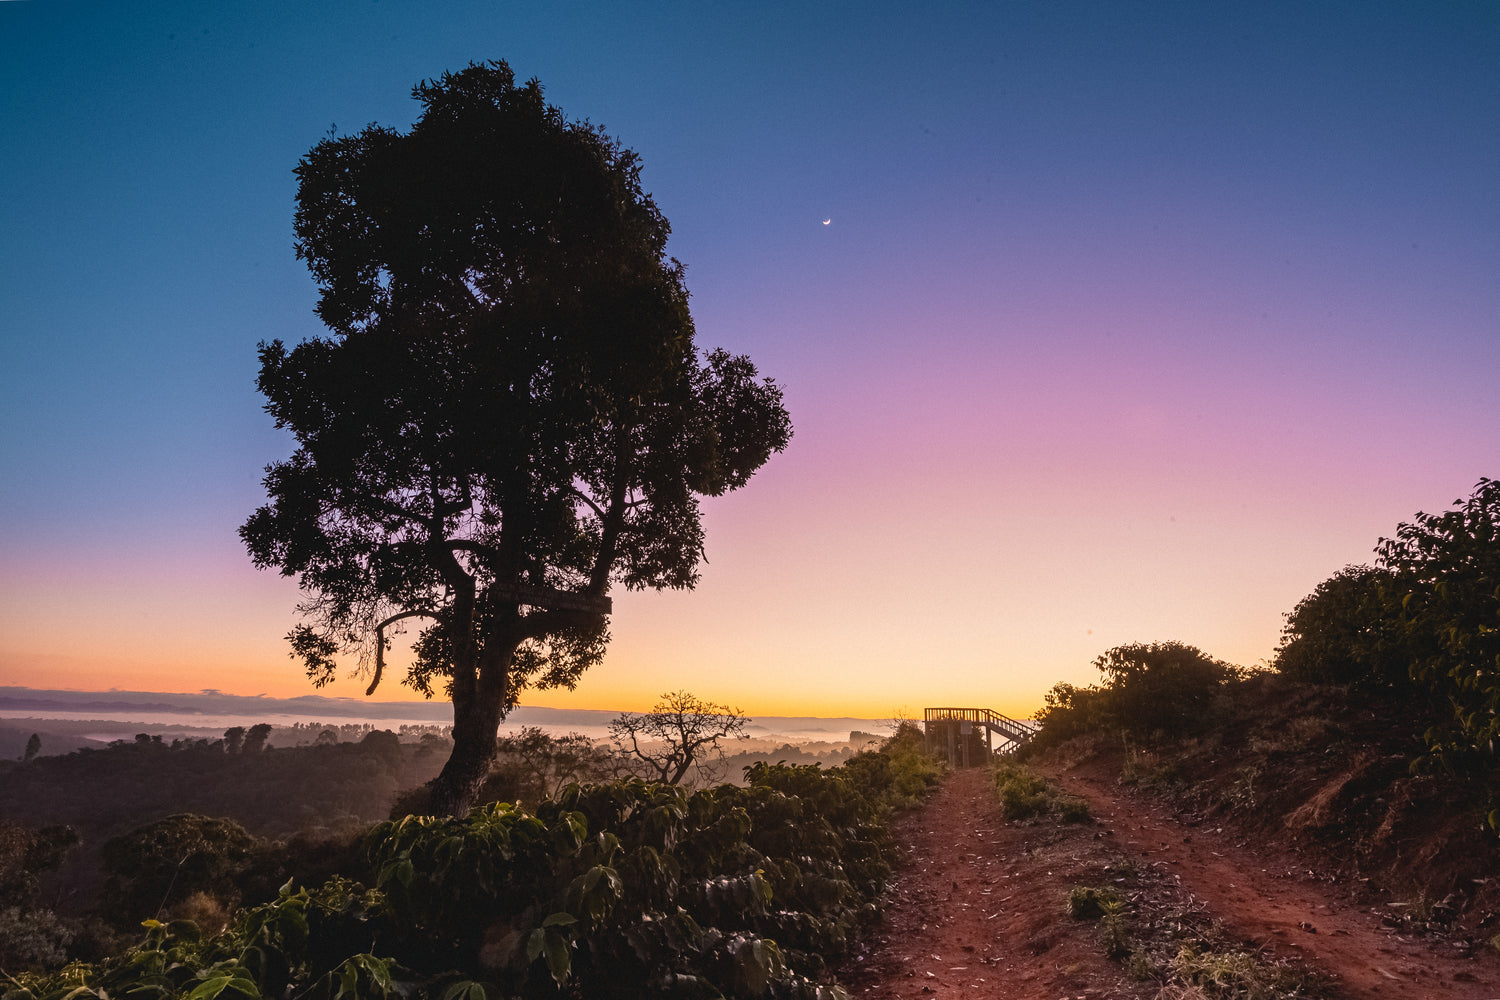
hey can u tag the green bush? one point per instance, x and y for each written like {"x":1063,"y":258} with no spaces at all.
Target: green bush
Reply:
{"x":163,"y":862}
{"x":914,"y":771}
{"x":1423,"y":627}
{"x":1347,"y":632}
{"x":1088,"y":903}
{"x":1162,"y":686}
{"x":1445,"y":579}
{"x":1149,"y":689}
{"x":1025,"y":794}
{"x":1068,"y":711}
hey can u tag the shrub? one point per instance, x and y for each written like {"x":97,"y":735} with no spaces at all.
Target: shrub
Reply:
{"x":1347,"y":632}
{"x":1069,"y":711}
{"x":1024,"y":794}
{"x":611,"y":891}
{"x":32,"y":939}
{"x":169,"y":860}
{"x":1445,"y":579}
{"x":1087,"y":903}
{"x":899,"y":774}
{"x":1159,"y":688}
{"x":25,"y":854}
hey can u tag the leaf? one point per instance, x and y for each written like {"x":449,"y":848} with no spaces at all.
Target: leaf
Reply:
{"x":466,"y":989}
{"x":559,"y":957}
{"x":219,"y":985}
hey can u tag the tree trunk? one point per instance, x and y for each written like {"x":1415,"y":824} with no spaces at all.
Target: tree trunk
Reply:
{"x":478,"y":710}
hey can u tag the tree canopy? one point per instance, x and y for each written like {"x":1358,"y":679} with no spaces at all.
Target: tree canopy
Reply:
{"x":1165,"y":686}
{"x":1153,"y":688}
{"x":1445,"y":583}
{"x":510,"y":414}
{"x":1346,"y":632}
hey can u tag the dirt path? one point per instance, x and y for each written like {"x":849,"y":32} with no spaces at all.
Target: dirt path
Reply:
{"x":978,"y":907}
{"x":1265,"y":898}
{"x":975,"y":911}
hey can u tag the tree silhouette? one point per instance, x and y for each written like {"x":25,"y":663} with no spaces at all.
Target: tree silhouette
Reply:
{"x":255,"y":739}
{"x":1166,"y":686}
{"x":1445,"y":585}
{"x":680,"y":733}
{"x":510,"y":414}
{"x":1347,"y":631}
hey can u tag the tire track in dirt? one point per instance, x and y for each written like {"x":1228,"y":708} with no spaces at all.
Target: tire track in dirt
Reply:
{"x":1264,"y":897}
{"x":976,"y":909}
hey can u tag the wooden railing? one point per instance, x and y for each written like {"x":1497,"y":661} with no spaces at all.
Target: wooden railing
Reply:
{"x":953,"y":723}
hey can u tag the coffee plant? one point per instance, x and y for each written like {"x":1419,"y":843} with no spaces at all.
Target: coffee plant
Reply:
{"x":630,"y":889}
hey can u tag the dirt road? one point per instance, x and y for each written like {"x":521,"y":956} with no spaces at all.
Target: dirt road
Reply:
{"x":978,"y":907}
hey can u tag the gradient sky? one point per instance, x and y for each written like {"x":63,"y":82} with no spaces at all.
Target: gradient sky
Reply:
{"x":1132,"y":322}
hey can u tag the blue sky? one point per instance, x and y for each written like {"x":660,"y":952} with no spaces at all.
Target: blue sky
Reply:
{"x":1132,"y":320}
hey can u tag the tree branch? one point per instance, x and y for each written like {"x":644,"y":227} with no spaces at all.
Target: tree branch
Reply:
{"x":612,"y":522}
{"x":380,"y":643}
{"x":539,"y":624}
{"x":593,"y":505}
{"x":469,"y":545}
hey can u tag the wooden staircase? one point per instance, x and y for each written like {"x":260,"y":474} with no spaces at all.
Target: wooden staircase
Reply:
{"x":957,"y":731}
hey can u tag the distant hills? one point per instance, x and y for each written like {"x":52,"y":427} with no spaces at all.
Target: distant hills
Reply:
{"x":212,"y":702}
{"x":43,"y":702}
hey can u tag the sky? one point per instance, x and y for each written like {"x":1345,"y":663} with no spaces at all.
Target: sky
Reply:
{"x":1098,"y":322}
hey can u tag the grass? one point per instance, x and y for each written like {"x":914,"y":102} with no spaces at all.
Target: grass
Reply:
{"x":1147,"y":769}
{"x":1235,"y":975}
{"x":1024,"y":794}
{"x":1088,"y":903}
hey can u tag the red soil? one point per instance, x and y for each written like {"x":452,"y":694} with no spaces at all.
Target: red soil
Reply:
{"x":978,"y":906}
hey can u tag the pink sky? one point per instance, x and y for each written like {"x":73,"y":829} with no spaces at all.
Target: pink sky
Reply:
{"x":1123,"y":329}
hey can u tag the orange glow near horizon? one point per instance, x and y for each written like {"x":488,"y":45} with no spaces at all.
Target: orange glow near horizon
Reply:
{"x":1113,"y":339}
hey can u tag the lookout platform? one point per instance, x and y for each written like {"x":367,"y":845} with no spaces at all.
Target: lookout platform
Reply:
{"x":968,"y":735}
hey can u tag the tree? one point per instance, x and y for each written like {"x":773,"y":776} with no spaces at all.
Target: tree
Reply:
{"x":26,"y":854}
{"x":33,"y":747}
{"x":255,"y":739}
{"x":681,"y":733}
{"x":1347,"y":632}
{"x":1165,"y":686}
{"x":1446,"y":583}
{"x":171,"y":859}
{"x":510,"y":414}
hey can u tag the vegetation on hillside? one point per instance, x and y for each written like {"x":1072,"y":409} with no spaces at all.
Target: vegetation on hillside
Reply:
{"x":1149,"y":691}
{"x":626,"y":888}
{"x":1371,"y":744}
{"x":1417,"y":635}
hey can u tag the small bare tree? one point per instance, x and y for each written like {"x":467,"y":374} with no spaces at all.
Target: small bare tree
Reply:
{"x":680,"y":734}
